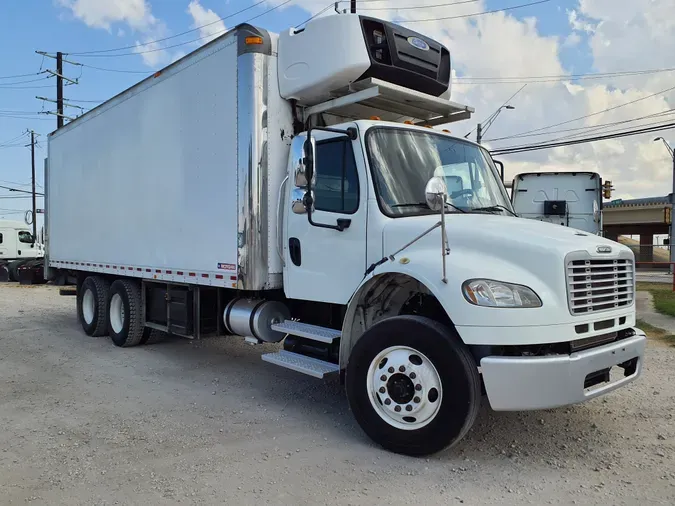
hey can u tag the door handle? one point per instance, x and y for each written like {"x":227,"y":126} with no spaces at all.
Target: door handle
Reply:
{"x":294,"y":251}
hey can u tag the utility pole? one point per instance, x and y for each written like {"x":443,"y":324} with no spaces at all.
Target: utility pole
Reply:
{"x":32,"y":161}
{"x":60,"y":78}
{"x":479,"y":133}
{"x":353,"y":6}
{"x":671,"y":229}
{"x":59,"y":89}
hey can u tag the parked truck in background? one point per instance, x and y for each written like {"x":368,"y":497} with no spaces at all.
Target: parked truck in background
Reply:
{"x":17,"y":246}
{"x":571,"y":199}
{"x":292,"y":189}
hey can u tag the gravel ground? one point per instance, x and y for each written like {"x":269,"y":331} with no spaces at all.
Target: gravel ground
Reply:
{"x":208,"y":422}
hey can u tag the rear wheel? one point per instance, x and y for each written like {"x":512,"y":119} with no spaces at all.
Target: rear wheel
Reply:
{"x":412,"y":385}
{"x":124,"y":313}
{"x":92,"y":299}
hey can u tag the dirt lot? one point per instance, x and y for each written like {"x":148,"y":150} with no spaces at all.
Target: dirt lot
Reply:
{"x":208,"y":422}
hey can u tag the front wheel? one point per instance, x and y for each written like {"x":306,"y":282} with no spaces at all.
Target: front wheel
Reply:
{"x":412,"y":385}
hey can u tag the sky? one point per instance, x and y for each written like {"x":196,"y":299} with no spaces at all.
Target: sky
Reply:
{"x":587,"y":66}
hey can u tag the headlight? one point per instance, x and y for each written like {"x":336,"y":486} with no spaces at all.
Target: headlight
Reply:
{"x":487,"y":292}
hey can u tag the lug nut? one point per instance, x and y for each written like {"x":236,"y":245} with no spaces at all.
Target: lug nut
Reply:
{"x":417,"y":400}
{"x":401,"y":369}
{"x":408,"y":407}
{"x":417,"y":387}
{"x":387,"y":401}
{"x":391,"y":370}
{"x":383,"y":378}
{"x":397,"y":408}
{"x":413,"y":375}
{"x":382,"y":390}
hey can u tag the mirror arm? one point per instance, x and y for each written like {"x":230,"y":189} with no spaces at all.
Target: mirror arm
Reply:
{"x":342,"y":223}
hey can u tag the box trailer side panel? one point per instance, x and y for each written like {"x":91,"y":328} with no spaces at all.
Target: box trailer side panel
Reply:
{"x":149,"y":180}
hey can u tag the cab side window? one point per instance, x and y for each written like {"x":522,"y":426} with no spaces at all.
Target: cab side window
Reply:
{"x":337,"y":182}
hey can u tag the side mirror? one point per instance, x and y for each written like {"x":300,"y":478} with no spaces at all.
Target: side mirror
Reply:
{"x":436,"y":193}
{"x":304,"y":172}
{"x":298,"y":201}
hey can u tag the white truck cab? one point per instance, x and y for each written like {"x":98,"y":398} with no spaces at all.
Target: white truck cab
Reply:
{"x":16,"y":241}
{"x":332,"y":212}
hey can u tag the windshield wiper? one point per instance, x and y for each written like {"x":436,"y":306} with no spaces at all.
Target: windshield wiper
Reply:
{"x":494,"y":208}
{"x":426,"y":206}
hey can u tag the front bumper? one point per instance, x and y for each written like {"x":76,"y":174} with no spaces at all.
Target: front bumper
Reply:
{"x":529,"y":383}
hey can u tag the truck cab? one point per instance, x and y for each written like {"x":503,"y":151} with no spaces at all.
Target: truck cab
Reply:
{"x":16,"y":241}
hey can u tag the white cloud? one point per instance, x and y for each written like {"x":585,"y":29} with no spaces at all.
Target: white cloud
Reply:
{"x":136,"y":14}
{"x":209,"y":23}
{"x":103,"y":13}
{"x":572,"y":40}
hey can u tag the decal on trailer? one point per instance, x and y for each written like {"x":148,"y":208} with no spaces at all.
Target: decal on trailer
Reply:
{"x":227,"y":267}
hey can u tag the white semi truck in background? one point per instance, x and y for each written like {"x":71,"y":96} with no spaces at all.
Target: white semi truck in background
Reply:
{"x":571,"y":199}
{"x":17,"y":247}
{"x":300,"y":189}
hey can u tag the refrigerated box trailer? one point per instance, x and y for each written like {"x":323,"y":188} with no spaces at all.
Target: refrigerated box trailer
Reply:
{"x":290,"y":189}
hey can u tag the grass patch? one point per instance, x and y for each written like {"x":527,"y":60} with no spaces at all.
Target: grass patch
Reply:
{"x":664,"y":297}
{"x":655,"y":332}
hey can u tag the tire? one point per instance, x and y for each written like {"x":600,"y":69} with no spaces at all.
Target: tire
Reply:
{"x":92,"y":305}
{"x":124,"y":313}
{"x":13,"y":268}
{"x":152,"y":336}
{"x":442,"y":363}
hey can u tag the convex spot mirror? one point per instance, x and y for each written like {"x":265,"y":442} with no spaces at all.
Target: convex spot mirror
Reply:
{"x":436,"y":193}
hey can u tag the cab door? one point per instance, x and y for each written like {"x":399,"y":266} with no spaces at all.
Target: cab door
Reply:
{"x":323,"y":263}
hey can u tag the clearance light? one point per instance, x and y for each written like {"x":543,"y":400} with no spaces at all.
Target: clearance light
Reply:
{"x":375,"y":118}
{"x":408,"y":122}
{"x":253,"y":40}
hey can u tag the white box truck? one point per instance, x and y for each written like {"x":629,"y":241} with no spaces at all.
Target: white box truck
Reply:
{"x":300,"y":188}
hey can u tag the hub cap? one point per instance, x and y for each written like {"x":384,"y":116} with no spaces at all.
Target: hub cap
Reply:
{"x":88,"y":306}
{"x":116,"y":313}
{"x":404,"y":387}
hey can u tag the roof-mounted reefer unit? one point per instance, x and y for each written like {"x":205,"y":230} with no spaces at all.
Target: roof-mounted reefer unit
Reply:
{"x":332,"y":52}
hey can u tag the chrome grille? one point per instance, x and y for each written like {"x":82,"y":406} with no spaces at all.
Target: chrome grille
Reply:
{"x":599,"y":284}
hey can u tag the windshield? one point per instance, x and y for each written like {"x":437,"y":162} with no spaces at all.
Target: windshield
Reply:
{"x":403,"y":161}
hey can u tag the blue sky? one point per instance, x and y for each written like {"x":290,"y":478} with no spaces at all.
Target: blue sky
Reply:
{"x":51,"y":25}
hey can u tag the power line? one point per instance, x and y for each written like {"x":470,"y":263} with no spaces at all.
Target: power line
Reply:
{"x":587,"y":127}
{"x":476,"y":13}
{"x":392,"y":8}
{"x":14,"y":139}
{"x":564,"y":77}
{"x":22,"y":87}
{"x":146,"y":72}
{"x":17,"y":76}
{"x":549,"y":145}
{"x":151,"y":42}
{"x":588,"y":115}
{"x":28,"y":80}
{"x":18,"y":190}
{"x":315,"y":15}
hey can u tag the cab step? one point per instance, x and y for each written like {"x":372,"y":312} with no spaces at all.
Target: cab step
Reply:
{"x":301,"y":363}
{"x":313,"y":332}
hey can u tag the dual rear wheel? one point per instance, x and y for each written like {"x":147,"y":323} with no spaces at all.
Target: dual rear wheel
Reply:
{"x":113,"y":309}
